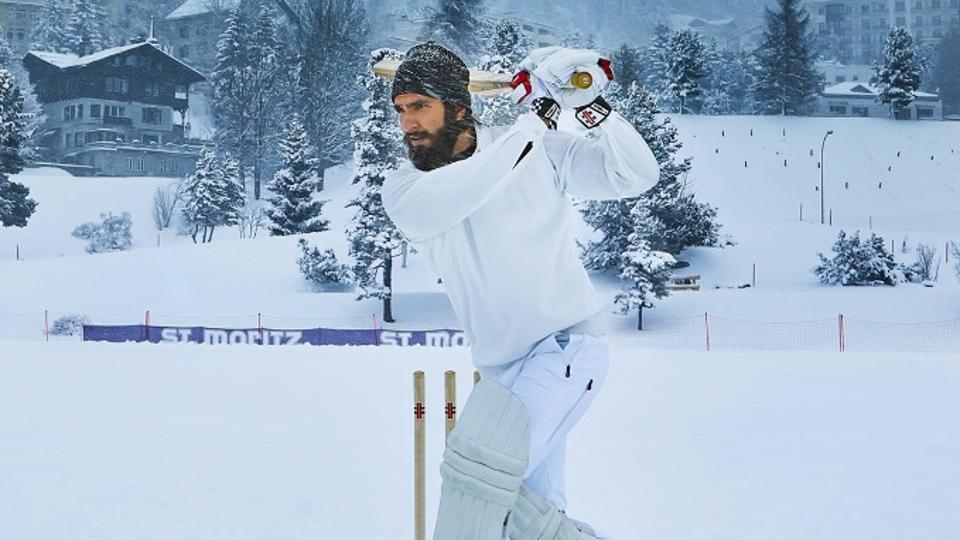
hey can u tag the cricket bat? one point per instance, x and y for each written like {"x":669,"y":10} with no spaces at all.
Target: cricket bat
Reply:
{"x":484,"y":83}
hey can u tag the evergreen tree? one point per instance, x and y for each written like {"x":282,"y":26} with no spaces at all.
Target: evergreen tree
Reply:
{"x":330,"y":44}
{"x":686,"y":66}
{"x":946,"y":71}
{"x":657,"y":59}
{"x":233,"y":95}
{"x":646,"y":272}
{"x":898,"y":77}
{"x":787,"y":79}
{"x":628,"y":66}
{"x":16,"y":206}
{"x":727,"y":87}
{"x":265,"y":73}
{"x":321,"y":267}
{"x":293,"y":208}
{"x":85,"y":27}
{"x":677,"y":220}
{"x":508,"y":48}
{"x":47,"y":33}
{"x":111,"y":234}
{"x":857,"y":262}
{"x":32,"y":113}
{"x":374,"y":239}
{"x":212,"y":195}
{"x":456,"y":25}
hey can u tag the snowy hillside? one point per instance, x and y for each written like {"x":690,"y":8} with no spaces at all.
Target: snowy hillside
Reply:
{"x":232,"y":280}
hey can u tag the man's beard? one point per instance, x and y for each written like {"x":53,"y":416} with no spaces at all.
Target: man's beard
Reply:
{"x":439,"y":150}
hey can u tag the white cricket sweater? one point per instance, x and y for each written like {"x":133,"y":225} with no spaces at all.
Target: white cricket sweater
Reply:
{"x":498,"y":228}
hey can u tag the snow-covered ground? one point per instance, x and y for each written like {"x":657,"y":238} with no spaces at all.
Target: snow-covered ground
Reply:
{"x":230,"y":281}
{"x":101,"y":441}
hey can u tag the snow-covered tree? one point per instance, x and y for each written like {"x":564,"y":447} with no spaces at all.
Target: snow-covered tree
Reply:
{"x":857,"y":262}
{"x":507,"y":48}
{"x":456,"y":24}
{"x":628,"y":65}
{"x":946,"y":71}
{"x":577,"y":39}
{"x":293,"y":209}
{"x":898,"y":75}
{"x":321,"y":267}
{"x":374,"y":239}
{"x":212,"y":195}
{"x":686,"y":66}
{"x":678,"y":220}
{"x":233,"y":96}
{"x":84,"y":32}
{"x":330,"y":44}
{"x":265,"y":78}
{"x":645,"y":271}
{"x":787,"y":80}
{"x":727,"y":89}
{"x":111,"y":234}
{"x":47,"y":33}
{"x":657,"y":59}
{"x":16,"y":206}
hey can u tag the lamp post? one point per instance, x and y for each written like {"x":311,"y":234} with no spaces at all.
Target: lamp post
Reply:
{"x":822,"y":145}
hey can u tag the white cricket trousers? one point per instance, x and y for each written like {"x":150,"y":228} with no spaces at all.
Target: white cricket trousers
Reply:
{"x":556,"y":381}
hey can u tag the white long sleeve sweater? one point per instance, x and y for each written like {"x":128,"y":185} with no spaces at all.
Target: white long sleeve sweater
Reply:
{"x":498,"y":229}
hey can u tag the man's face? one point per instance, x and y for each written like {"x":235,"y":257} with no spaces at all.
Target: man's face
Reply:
{"x":428,"y":130}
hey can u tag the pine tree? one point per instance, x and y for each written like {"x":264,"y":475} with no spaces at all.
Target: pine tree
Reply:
{"x":628,"y":66}
{"x":787,"y":80}
{"x":678,"y":221}
{"x":657,"y":59}
{"x":265,"y":75}
{"x":578,"y":40}
{"x":456,"y":25}
{"x":293,"y":208}
{"x":686,"y":66}
{"x":212,"y":195}
{"x":946,"y":72}
{"x":374,"y":239}
{"x":508,"y":48}
{"x":85,"y":27}
{"x":47,"y":33}
{"x":727,"y":88}
{"x":330,"y":45}
{"x":16,"y":206}
{"x":646,"y":272}
{"x":898,"y":77}
{"x":233,"y":101}
{"x":857,"y":262}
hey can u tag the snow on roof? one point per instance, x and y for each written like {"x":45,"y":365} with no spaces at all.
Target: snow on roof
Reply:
{"x":859,"y":88}
{"x":678,"y":20}
{"x":62,"y":60}
{"x":191,"y":8}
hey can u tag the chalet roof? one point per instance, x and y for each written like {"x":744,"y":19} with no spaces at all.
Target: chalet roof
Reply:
{"x":191,"y":8}
{"x":69,"y":61}
{"x":855,"y":88}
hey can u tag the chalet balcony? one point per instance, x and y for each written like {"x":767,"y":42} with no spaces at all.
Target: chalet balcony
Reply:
{"x":117,"y":121}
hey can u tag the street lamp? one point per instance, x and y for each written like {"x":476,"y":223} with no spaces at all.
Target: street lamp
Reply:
{"x":822,"y":145}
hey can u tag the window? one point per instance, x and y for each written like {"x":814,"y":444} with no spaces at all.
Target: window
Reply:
{"x":114,"y":111}
{"x":935,"y":4}
{"x":918,"y":21}
{"x":68,"y":113}
{"x":140,"y":164}
{"x":152,"y":89}
{"x":150,"y":115}
{"x":185,"y":31}
{"x":865,"y":8}
{"x":175,"y":167}
{"x":860,"y":111}
{"x":901,"y":21}
{"x":151,"y":138}
{"x":129,"y":163}
{"x":131,"y":60}
{"x":95,"y":110}
{"x":839,"y":78}
{"x":21,"y":35}
{"x":117,"y":85}
{"x":163,"y":165}
{"x":882,"y":23}
{"x":115,"y":61}
{"x":78,"y":139}
{"x":865,"y":24}
{"x":924,"y":112}
{"x":80,"y":111}
{"x":936,"y":20}
{"x":183,"y":52}
{"x":838,"y":109}
{"x":900,"y":6}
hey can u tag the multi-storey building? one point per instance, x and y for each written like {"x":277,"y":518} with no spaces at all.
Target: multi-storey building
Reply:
{"x":191,"y":31}
{"x":17,"y":19}
{"x":120,"y":111}
{"x":855,"y":30}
